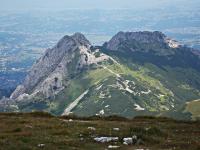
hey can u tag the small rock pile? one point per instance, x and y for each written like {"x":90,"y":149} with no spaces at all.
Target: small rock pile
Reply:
{"x":130,"y":140}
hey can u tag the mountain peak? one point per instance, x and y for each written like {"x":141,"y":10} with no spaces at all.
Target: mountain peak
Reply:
{"x":51,"y":66}
{"x":142,"y":36}
{"x":64,"y":41}
{"x":70,"y":55}
{"x":142,"y":33}
{"x":76,"y":38}
{"x":135,"y":41}
{"x":81,"y":39}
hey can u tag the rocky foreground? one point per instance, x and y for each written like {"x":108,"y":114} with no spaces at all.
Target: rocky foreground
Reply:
{"x":43,"y":131}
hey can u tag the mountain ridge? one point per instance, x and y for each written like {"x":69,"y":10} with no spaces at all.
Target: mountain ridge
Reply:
{"x":135,"y":73}
{"x":145,"y":37}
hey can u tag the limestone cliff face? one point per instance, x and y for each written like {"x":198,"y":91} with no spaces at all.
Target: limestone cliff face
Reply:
{"x":47,"y":74}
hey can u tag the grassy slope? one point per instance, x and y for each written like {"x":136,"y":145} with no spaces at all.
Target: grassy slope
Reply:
{"x":145,"y":76}
{"x":94,"y":78}
{"x":194,"y":108}
{"x":169,"y":86}
{"x":77,"y":86}
{"x":183,"y":83}
{"x":26,"y":131}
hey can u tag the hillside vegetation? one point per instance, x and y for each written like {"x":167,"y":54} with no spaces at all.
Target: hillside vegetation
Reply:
{"x":133,"y":74}
{"x":32,"y":131}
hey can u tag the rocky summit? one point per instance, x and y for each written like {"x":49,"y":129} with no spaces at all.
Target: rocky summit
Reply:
{"x":145,"y":41}
{"x":135,"y":73}
{"x":47,"y":73}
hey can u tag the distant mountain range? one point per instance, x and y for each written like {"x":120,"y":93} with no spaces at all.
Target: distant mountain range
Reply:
{"x":135,"y":73}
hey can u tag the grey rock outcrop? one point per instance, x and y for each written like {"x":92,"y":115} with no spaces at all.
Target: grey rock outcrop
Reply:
{"x":135,"y":41}
{"x":47,"y":74}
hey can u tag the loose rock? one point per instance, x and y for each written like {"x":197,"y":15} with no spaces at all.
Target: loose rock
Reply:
{"x":128,"y":141}
{"x":113,"y":147}
{"x":91,"y":128}
{"x":106,"y":139}
{"x":116,"y":129}
{"x":41,"y":145}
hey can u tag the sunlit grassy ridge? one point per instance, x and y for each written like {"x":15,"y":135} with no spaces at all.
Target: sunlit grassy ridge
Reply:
{"x":141,"y":74}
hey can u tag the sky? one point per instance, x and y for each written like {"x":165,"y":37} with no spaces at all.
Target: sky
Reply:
{"x":91,"y":4}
